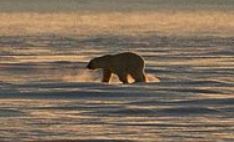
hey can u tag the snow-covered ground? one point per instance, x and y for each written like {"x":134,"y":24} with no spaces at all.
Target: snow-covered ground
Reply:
{"x":47,"y":94}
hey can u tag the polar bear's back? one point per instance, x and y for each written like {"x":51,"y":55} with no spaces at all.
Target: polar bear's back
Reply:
{"x":128,"y":61}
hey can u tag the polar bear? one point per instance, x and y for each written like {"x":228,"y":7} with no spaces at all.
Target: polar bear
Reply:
{"x":122,"y":64}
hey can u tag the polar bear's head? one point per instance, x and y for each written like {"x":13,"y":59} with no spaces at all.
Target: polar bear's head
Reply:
{"x":99,"y":62}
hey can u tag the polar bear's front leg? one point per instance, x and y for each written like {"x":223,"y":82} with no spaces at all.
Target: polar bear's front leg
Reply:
{"x":106,"y":75}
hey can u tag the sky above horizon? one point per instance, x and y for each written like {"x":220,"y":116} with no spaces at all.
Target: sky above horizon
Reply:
{"x":112,"y":5}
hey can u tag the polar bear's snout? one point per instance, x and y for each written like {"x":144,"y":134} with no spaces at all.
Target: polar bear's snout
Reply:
{"x":90,"y":65}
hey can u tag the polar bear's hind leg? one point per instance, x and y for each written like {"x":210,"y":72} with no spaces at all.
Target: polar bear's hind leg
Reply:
{"x":139,"y":76}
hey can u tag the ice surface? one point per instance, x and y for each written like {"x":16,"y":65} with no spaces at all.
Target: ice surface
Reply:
{"x":47,"y":94}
